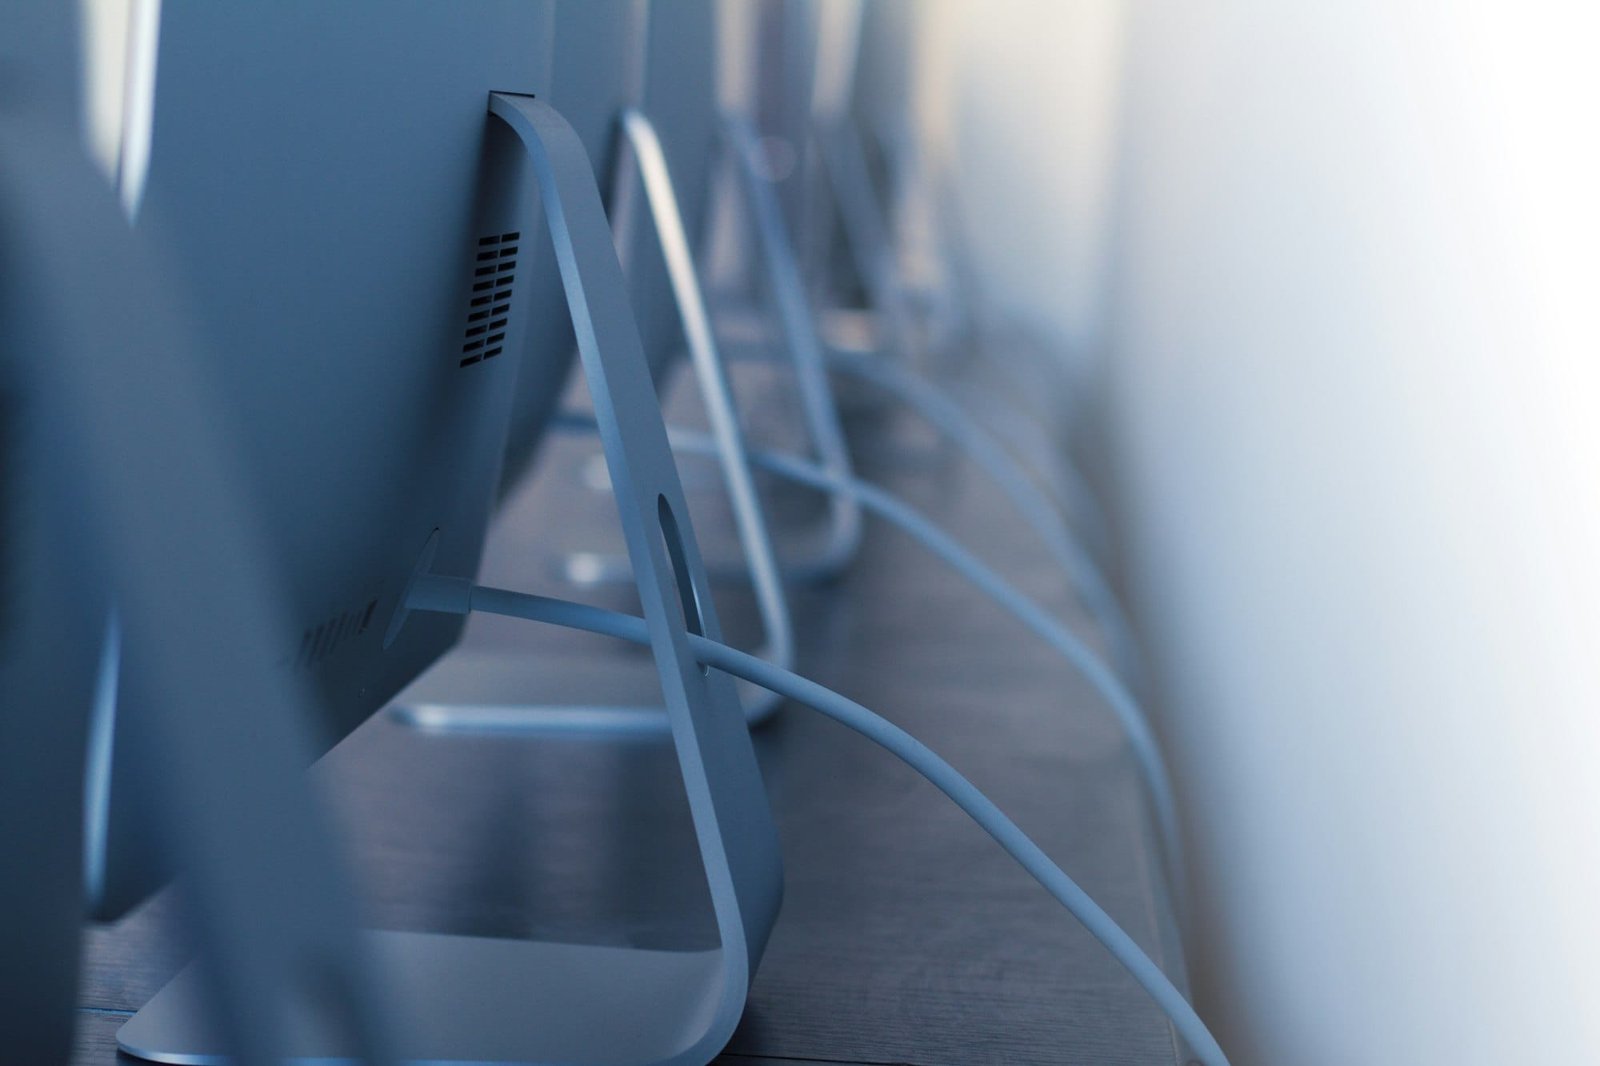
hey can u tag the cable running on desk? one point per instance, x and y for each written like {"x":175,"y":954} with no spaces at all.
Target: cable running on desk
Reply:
{"x":460,"y":596}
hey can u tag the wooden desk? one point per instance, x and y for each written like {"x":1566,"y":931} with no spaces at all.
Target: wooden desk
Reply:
{"x":906,"y":936}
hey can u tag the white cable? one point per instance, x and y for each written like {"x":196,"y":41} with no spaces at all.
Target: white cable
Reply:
{"x":456,"y":595}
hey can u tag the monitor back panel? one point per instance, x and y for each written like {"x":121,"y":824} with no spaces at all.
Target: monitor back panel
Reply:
{"x":883,"y":81}
{"x":48,"y":626}
{"x":351,"y":230}
{"x":786,"y":66}
{"x":680,"y":97}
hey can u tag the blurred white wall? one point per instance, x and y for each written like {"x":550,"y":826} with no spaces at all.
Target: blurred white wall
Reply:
{"x":1340,"y":262}
{"x":1355,"y":404}
{"x":1338,"y":266}
{"x":1021,"y":94}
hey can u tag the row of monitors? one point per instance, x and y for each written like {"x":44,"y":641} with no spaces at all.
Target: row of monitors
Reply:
{"x":361,"y":247}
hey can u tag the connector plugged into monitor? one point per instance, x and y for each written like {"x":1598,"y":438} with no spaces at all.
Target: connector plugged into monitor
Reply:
{"x":403,"y":608}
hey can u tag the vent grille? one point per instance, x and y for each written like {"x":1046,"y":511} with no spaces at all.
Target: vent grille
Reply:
{"x":493,"y":271}
{"x":322,"y":640}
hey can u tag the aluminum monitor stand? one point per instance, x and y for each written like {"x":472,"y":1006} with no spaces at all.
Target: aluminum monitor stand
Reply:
{"x":804,"y":347}
{"x":481,"y":1000}
{"x":868,"y":234}
{"x":641,"y":147}
{"x":806,"y":354}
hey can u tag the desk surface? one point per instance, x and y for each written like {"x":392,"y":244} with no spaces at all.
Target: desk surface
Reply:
{"x":906,"y":935}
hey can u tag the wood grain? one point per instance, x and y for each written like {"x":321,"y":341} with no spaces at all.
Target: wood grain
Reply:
{"x":906,"y":936}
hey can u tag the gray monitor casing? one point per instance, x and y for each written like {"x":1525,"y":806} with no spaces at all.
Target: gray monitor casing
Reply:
{"x":660,"y":56}
{"x":680,"y":100}
{"x":883,"y":81}
{"x":47,"y":583}
{"x":597,"y":70}
{"x":786,"y":82}
{"x":335,"y":198}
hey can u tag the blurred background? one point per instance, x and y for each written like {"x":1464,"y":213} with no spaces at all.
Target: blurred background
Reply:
{"x":1325,"y":280}
{"x":1326,"y":275}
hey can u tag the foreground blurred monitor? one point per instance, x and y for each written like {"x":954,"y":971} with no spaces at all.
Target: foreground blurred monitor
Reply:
{"x":47,"y":650}
{"x":356,"y":237}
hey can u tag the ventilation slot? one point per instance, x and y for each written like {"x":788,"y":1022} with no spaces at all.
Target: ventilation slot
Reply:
{"x":493,"y":271}
{"x":322,"y":640}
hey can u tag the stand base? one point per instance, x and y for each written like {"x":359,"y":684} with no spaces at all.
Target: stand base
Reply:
{"x":461,"y":999}
{"x":487,"y":692}
{"x":532,"y":719}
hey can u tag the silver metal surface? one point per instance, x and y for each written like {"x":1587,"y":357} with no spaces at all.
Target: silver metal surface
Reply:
{"x":868,"y":235}
{"x":804,"y":348}
{"x":460,"y":999}
{"x":562,"y":1003}
{"x":513,"y":714}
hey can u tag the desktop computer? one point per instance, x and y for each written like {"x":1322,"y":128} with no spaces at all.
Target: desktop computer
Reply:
{"x":353,"y":197}
{"x":787,"y":40}
{"x":350,"y":227}
{"x":367,"y":470}
{"x":660,"y":152}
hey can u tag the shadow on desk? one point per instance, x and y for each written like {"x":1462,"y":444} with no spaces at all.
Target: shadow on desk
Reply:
{"x":907,"y":935}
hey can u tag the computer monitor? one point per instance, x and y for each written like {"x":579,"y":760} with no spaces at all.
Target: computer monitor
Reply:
{"x":609,"y":55}
{"x":350,"y":227}
{"x":597,"y":70}
{"x":787,"y":39}
{"x":882,"y":78}
{"x":47,"y":675}
{"x":680,"y":99}
{"x":883,"y":96}
{"x":47,"y":631}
